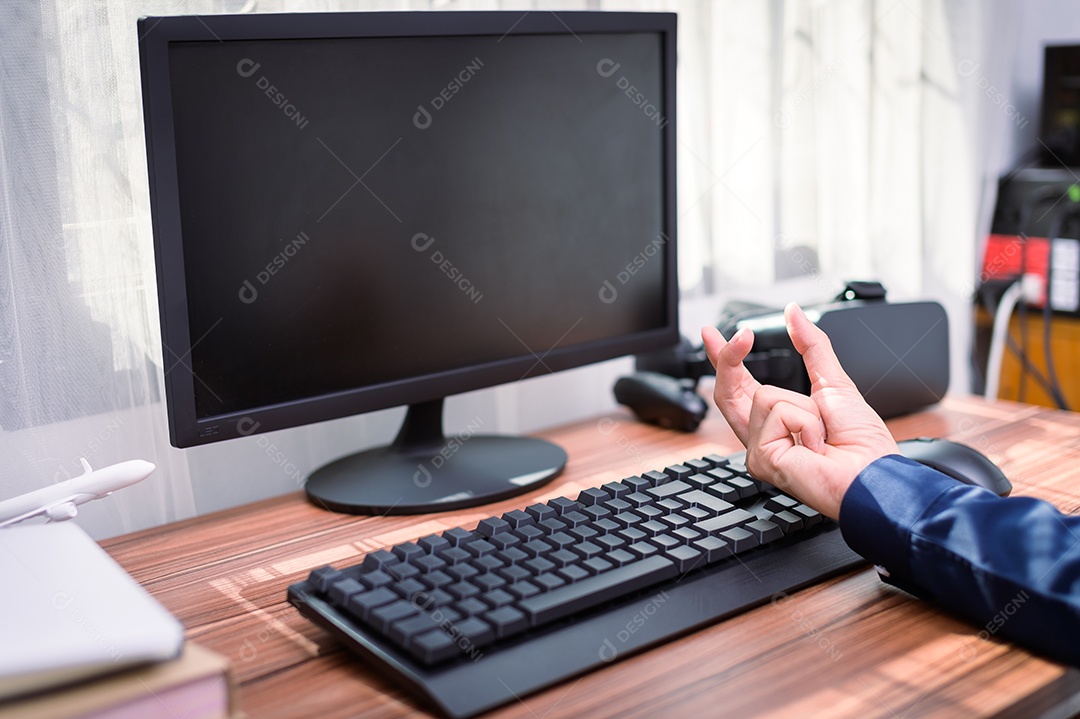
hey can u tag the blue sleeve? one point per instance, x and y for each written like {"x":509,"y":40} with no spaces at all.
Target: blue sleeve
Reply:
{"x":1011,"y":565}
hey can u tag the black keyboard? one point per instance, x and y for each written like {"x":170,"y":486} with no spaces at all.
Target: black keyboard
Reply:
{"x":471,"y":618}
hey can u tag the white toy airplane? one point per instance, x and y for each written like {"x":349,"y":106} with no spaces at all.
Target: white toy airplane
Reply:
{"x":59,"y":501}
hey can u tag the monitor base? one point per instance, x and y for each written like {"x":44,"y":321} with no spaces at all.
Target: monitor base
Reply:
{"x":423,"y":471}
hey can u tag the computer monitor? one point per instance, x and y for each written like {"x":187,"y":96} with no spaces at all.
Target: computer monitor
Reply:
{"x":360,"y":211}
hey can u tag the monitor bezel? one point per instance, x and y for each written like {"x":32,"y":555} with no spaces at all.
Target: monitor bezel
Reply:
{"x":186,"y":429}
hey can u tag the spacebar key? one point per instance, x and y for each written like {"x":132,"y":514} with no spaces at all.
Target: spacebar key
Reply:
{"x":573,"y":598}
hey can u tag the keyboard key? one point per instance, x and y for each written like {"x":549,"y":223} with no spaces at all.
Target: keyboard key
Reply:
{"x":716,"y":460}
{"x":694,"y":514}
{"x":713,"y":548}
{"x":619,"y":557}
{"x":637,"y":484}
{"x":379,"y":559}
{"x":617,"y":505}
{"x":476,"y":632}
{"x":480,"y":548}
{"x":706,"y":501}
{"x":323,"y":577}
{"x":643,"y":549}
{"x":548,"y":581}
{"x":560,"y":540}
{"x":685,"y":558}
{"x":698,"y":465}
{"x":536,"y":548}
{"x":491,"y":526}
{"x":587,"y":550}
{"x":462,"y":590}
{"x":638,"y":499}
{"x":469,"y":607}
{"x":382,"y":617}
{"x":674,"y":521}
{"x":700,"y":481}
{"x":507,"y":621}
{"x":461,"y":572}
{"x":541,"y":512}
{"x":436,"y":579}
{"x":575,"y":519}
{"x":653,"y":528}
{"x":374,"y":580}
{"x":402,"y":571}
{"x":765,"y":531}
{"x":408,"y":589}
{"x":454,"y":555}
{"x":609,"y":542}
{"x":627,"y":519}
{"x":596,"y":565}
{"x":434,"y":646}
{"x":721,"y":522}
{"x":593,"y":495}
{"x":723,"y":491}
{"x":780,"y":502}
{"x":596,"y":512}
{"x":787,"y":521}
{"x":584,"y":533}
{"x":739,"y":539}
{"x":403,"y":630}
{"x":720,"y":473}
{"x":518,"y":519}
{"x":360,"y":605}
{"x":514,"y":573}
{"x":428,"y":563}
{"x":502,"y":540}
{"x":655,"y":478}
{"x":553,"y":525}
{"x":572,"y":573}
{"x":563,"y":557}
{"x":678,"y":471}
{"x":665,"y":541}
{"x":668,"y":490}
{"x":686,"y":535}
{"x":606,"y":526}
{"x":341,"y":590}
{"x":529,"y":532}
{"x":407,"y":551}
{"x":458,"y":536}
{"x":615,"y":489}
{"x":432,"y":543}
{"x":497,"y":598}
{"x":523,"y":589}
{"x":747,"y":488}
{"x":809,"y":516}
{"x":562,"y":505}
{"x":631,"y":534}
{"x":539,"y":565}
{"x":597,"y":589}
{"x":487,"y":582}
{"x":487,"y":564}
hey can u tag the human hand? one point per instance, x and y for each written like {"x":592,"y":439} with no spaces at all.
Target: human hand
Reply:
{"x":812,"y":447}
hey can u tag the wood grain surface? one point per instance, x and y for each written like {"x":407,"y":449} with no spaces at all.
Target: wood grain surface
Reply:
{"x":851,"y":646}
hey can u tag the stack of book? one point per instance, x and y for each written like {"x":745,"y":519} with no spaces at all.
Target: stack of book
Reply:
{"x":80,"y":638}
{"x":196,"y":685}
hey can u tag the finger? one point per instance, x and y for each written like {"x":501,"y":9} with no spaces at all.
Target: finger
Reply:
{"x":817,"y":352}
{"x":735,"y":386}
{"x":781,"y":416}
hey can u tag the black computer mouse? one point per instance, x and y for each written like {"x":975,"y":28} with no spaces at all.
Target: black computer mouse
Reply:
{"x":959,"y":461}
{"x":659,"y":399}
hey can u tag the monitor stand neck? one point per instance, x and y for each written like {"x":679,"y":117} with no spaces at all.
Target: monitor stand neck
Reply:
{"x":422,"y":429}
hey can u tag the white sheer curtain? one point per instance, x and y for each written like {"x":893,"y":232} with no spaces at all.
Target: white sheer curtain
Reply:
{"x":818,"y":139}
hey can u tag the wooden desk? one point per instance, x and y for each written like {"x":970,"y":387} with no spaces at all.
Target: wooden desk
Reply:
{"x":852,"y":646}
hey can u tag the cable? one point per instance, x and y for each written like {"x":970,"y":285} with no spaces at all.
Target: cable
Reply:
{"x":998,"y":336}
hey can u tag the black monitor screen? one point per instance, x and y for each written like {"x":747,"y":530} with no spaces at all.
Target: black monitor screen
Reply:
{"x":360,"y":211}
{"x":348,"y":220}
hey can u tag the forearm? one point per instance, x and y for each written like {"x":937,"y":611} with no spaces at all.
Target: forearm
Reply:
{"x":1012,"y":566}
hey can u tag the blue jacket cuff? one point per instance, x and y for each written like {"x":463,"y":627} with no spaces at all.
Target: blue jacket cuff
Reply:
{"x":881,"y":506}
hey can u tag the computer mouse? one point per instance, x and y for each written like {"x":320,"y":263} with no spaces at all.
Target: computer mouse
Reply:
{"x":959,"y":461}
{"x":659,"y":399}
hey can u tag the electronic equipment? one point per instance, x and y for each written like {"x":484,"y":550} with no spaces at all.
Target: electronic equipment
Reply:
{"x":1035,"y":231}
{"x":897,"y":354}
{"x":1060,"y":119}
{"x":662,"y":400}
{"x":539,"y":595}
{"x":472,"y":618}
{"x":360,"y":211}
{"x":959,"y":461}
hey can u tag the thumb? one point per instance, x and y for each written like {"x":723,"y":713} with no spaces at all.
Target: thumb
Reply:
{"x":817,"y":352}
